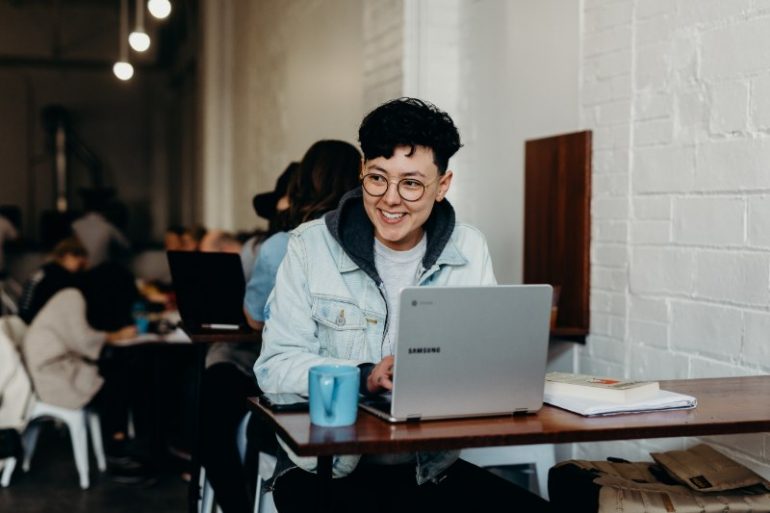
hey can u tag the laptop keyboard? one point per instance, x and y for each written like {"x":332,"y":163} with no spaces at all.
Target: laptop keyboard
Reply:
{"x":379,"y":403}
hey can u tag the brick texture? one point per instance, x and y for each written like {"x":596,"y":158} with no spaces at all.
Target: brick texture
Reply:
{"x":681,"y":244}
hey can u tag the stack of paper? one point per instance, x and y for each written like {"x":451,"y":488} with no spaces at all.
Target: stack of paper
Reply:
{"x":663,"y":400}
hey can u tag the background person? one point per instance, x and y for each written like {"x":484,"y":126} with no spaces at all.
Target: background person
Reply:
{"x":266,"y":205}
{"x":220,"y":241}
{"x":70,"y":352}
{"x":7,"y":232}
{"x":328,"y":170}
{"x":96,"y":229}
{"x":70,"y":258}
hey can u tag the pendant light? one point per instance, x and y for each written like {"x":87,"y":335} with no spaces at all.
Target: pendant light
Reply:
{"x":138,"y":39}
{"x":159,"y":8}
{"x":123,"y":69}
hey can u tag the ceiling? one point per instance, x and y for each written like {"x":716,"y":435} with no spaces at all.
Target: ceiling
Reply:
{"x":85,"y":33}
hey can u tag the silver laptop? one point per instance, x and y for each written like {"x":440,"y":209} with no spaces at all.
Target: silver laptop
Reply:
{"x":468,"y":352}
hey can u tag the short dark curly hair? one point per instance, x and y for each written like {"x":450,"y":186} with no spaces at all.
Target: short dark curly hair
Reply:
{"x":409,"y":122}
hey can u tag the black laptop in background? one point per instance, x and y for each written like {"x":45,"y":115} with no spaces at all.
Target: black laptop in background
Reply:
{"x":209,"y":291}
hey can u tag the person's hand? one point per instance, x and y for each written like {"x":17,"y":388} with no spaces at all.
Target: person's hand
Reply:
{"x":381,"y":377}
{"x":255,"y":325}
{"x":120,"y":336}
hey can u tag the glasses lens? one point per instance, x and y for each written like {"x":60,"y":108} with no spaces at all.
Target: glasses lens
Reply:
{"x":411,"y":190}
{"x":375,"y":185}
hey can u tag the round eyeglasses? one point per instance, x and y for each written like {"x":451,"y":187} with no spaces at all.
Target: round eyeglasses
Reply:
{"x":410,"y":189}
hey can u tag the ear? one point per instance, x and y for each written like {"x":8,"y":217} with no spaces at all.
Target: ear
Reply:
{"x":443,"y":185}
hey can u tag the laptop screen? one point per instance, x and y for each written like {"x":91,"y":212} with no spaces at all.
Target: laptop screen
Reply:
{"x":209,"y":288}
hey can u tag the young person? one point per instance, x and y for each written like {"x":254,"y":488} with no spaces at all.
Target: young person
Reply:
{"x":69,"y":259}
{"x":72,"y":353}
{"x":328,"y":170}
{"x":336,"y":302}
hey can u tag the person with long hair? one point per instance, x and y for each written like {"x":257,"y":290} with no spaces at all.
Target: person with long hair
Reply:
{"x":328,"y":170}
{"x":76,"y":355}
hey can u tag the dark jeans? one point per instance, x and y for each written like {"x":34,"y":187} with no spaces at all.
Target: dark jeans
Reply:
{"x":223,"y":403}
{"x":128,"y":384}
{"x":463,"y":487}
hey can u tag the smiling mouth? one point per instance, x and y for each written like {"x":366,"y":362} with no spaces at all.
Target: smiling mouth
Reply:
{"x":392,"y":217}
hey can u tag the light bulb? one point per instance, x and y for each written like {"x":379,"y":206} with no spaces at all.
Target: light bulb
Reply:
{"x":139,"y":41}
{"x":123,"y":70}
{"x":159,"y":8}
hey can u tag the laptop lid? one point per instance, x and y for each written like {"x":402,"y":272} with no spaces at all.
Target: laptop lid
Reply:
{"x":209,"y":289}
{"x":470,"y":351}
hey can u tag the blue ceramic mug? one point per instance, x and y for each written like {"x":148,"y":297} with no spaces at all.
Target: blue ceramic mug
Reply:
{"x":333,"y":391}
{"x":142,"y":324}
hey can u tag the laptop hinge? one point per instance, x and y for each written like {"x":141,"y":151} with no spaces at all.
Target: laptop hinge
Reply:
{"x":520,"y":411}
{"x":413,"y":418}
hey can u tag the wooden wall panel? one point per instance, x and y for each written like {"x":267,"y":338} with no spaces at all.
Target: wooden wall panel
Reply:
{"x":557,"y":225}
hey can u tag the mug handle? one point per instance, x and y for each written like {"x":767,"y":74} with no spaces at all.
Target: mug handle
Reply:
{"x":327,"y":388}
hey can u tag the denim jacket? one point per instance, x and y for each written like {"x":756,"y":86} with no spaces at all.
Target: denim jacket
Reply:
{"x":328,"y":306}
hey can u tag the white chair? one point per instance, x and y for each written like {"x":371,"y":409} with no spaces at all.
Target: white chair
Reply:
{"x":263,"y":503}
{"x":264,"y":499}
{"x":8,"y":465}
{"x":541,"y":456}
{"x":80,"y":423}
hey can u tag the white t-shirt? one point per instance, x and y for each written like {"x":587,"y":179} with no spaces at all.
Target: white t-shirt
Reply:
{"x":398,"y":269}
{"x":96,"y":234}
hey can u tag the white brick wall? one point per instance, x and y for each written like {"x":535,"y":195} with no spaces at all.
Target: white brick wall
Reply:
{"x":298,"y":76}
{"x":383,"y":33}
{"x":681,"y":245}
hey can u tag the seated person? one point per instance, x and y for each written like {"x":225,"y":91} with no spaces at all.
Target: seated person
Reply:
{"x":328,"y":170}
{"x":192,"y":238}
{"x":68,"y":350}
{"x":69,"y":259}
{"x":7,"y":232}
{"x":220,"y":241}
{"x":266,"y":204}
{"x":179,"y":238}
{"x":397,"y":230}
{"x":97,"y":228}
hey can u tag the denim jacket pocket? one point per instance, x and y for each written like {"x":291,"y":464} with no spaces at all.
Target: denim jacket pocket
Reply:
{"x":341,"y":325}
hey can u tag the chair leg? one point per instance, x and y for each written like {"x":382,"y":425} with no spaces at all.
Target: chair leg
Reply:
{"x":546,"y":460}
{"x":29,"y":442}
{"x":258,"y":496}
{"x":95,"y":430}
{"x":241,"y":435}
{"x":79,"y":439}
{"x":263,"y":499}
{"x":10,"y":464}
{"x":266,"y":504}
{"x":206,"y":502}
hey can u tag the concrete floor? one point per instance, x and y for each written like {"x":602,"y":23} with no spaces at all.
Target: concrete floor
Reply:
{"x":51,"y":485}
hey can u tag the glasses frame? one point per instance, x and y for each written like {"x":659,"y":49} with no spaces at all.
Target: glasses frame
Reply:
{"x":398,"y":186}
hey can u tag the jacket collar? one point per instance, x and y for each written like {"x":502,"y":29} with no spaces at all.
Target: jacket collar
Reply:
{"x":351,"y":227}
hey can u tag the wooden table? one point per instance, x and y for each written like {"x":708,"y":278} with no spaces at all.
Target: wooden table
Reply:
{"x":725,"y":405}
{"x":201,"y":342}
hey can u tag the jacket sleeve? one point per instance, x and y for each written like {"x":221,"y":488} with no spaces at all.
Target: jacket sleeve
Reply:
{"x":78,"y":335}
{"x":263,"y":275}
{"x":290,"y":345}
